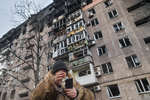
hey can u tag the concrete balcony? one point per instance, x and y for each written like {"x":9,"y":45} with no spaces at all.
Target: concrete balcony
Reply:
{"x":86,"y":75}
{"x":79,"y":63}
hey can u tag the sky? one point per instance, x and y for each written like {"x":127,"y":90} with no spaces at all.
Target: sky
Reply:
{"x":6,"y":14}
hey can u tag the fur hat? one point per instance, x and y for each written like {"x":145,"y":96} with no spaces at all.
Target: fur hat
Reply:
{"x":59,"y":65}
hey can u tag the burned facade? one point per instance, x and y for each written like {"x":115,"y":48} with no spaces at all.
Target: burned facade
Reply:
{"x":105,"y":43}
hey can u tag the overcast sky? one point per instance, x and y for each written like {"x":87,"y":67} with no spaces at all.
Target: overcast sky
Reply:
{"x":6,"y":14}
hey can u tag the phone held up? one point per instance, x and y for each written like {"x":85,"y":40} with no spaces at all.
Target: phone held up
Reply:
{"x":69,"y":83}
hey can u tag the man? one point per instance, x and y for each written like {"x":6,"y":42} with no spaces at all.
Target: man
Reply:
{"x":52,"y":88}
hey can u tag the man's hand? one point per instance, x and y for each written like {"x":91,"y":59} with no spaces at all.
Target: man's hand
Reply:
{"x":59,"y":76}
{"x":72,"y":93}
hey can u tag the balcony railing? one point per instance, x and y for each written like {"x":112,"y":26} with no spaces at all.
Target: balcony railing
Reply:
{"x":74,"y":17}
{"x":77,"y":45}
{"x":60,"y":52}
{"x":76,"y":30}
{"x":142,"y":21}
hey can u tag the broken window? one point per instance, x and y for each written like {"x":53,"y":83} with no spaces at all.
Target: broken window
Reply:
{"x":94,"y":22}
{"x":108,"y":3}
{"x":133,"y":61}
{"x":102,"y":50}
{"x":107,"y":68}
{"x":60,"y":23}
{"x":147,"y":40}
{"x":75,"y":26}
{"x":142,"y":85}
{"x":118,"y":26}
{"x":124,"y":42}
{"x":91,"y":12}
{"x":85,"y":71}
{"x":76,"y":37}
{"x":98,"y":35}
{"x":113,"y":91}
{"x":113,"y":14}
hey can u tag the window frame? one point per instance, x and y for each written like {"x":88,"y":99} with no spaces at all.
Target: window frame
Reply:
{"x":91,"y":11}
{"x":107,"y":65}
{"x":109,"y":2}
{"x":109,"y":92}
{"x":99,"y":33}
{"x":94,"y":22}
{"x":139,"y":89}
{"x":133,"y":58}
{"x":112,"y":13}
{"x":102,"y":51}
{"x":125,"y":40}
{"x":119,"y":28}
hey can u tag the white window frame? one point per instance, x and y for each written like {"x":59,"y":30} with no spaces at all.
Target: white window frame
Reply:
{"x":135,"y":59}
{"x":107,"y":66}
{"x":137,"y":86}
{"x":109,"y":92}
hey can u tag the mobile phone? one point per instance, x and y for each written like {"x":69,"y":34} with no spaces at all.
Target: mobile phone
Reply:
{"x":69,"y":83}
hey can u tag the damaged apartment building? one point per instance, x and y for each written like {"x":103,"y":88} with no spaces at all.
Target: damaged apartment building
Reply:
{"x":105,"y":43}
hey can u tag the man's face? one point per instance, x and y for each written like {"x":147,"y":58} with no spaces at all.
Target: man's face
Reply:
{"x":59,"y":76}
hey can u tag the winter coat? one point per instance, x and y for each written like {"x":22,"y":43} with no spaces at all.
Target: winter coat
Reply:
{"x":47,"y":90}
